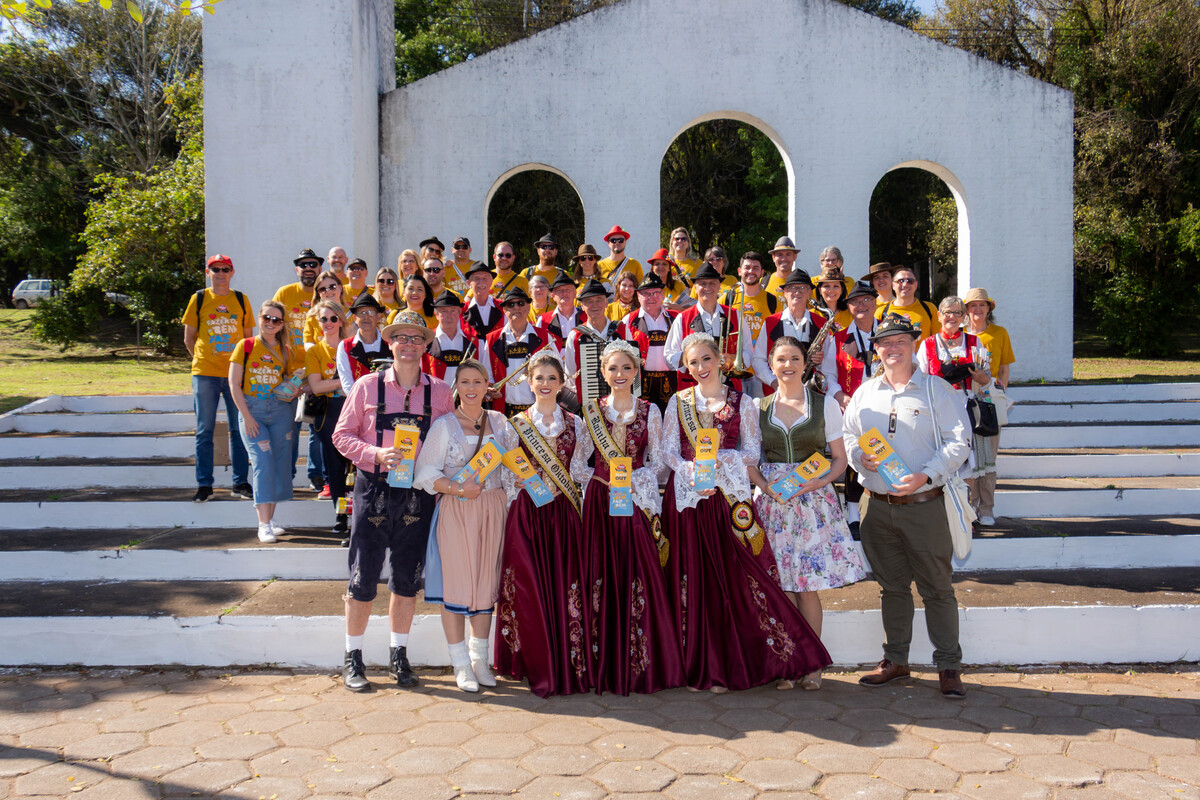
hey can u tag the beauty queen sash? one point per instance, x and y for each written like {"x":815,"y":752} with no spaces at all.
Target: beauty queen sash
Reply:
{"x":546,"y":458}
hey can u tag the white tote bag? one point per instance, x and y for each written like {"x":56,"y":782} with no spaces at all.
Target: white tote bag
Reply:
{"x":956,"y":493}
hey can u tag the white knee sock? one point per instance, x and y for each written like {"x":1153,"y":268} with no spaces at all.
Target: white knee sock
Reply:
{"x":399,"y":639}
{"x":354,"y":642}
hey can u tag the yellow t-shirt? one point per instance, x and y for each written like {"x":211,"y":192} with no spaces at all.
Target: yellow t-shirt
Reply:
{"x":617,"y":311}
{"x":917,"y":314}
{"x":507,"y":283}
{"x":688,"y":266}
{"x":755,"y":310}
{"x":609,"y":272}
{"x":296,"y":302}
{"x":262,"y":371}
{"x":321,"y":359}
{"x":430,"y":322}
{"x":998,"y":345}
{"x":220,"y":325}
{"x":548,"y":274}
{"x":535,"y":314}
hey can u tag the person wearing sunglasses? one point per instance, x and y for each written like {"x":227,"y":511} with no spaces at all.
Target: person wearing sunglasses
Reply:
{"x":356,"y":274}
{"x":547,"y":266}
{"x":386,"y":285}
{"x":215,"y":320}
{"x":328,"y":288}
{"x":261,"y":371}
{"x":297,"y":299}
{"x":505,"y":258}
{"x":434,"y":270}
{"x":320,"y":364}
{"x":617,"y":262}
{"x":906,"y":304}
{"x":390,"y":521}
{"x":585,"y":269}
{"x":458,"y":265}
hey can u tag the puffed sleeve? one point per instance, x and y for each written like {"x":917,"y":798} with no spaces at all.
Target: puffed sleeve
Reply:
{"x":670,"y":449}
{"x":645,"y":478}
{"x":581,"y":471}
{"x":751,"y":434}
{"x":431,"y":461}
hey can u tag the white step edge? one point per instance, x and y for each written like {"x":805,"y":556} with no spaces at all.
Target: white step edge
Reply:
{"x":1092,"y":465}
{"x":1022,"y":414}
{"x":99,"y":404}
{"x":1004,"y":635}
{"x":9,"y":419}
{"x":1104,"y":392}
{"x":329,"y":563}
{"x":1098,"y":503}
{"x":1064,"y":437}
{"x":149,"y":422}
{"x":126,"y":477}
{"x":107,"y":447}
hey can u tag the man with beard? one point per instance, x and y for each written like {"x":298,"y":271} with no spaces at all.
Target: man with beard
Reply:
{"x":755,"y":303}
{"x":337,"y":264}
{"x":611,"y":268}
{"x":707,"y":316}
{"x":784,"y":255}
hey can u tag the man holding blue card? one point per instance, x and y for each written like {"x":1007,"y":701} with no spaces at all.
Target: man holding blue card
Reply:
{"x":904,"y":530}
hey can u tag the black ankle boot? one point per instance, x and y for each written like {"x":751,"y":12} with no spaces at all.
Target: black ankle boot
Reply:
{"x":341,"y":527}
{"x":354,"y":673}
{"x":399,"y":668}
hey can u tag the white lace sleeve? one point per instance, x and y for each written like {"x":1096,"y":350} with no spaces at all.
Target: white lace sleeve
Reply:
{"x":685,"y":496}
{"x":751,"y":434}
{"x":581,"y":472}
{"x":645,"y":478}
{"x":431,"y":461}
{"x":732,"y":476}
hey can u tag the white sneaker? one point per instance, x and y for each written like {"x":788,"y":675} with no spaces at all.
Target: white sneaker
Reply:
{"x":479,"y":662}
{"x":987,"y":521}
{"x":465,"y":678}
{"x":276,"y":528}
{"x":264,"y":533}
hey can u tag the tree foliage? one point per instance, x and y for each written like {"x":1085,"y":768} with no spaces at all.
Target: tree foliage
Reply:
{"x":530,"y":204}
{"x":913,"y":219}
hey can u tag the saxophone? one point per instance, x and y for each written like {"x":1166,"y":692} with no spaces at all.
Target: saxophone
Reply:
{"x":810,"y":376}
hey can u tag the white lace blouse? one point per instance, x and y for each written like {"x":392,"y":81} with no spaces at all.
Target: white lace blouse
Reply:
{"x":732,"y":477}
{"x":447,"y":449}
{"x":552,"y":426}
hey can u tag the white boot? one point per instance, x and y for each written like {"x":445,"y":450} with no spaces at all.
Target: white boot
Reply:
{"x":479,"y":661}
{"x":460,"y":660}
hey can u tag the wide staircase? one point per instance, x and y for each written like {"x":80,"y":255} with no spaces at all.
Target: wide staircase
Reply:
{"x":1095,"y":556}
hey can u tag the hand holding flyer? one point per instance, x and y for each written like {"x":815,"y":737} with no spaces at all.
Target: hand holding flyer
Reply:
{"x":406,"y":441}
{"x":815,"y":467}
{"x":479,"y":467}
{"x":705,"y":470}
{"x":620,"y":492}
{"x":516,"y":461}
{"x":891,"y":468}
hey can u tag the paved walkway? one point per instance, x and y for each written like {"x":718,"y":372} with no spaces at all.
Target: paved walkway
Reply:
{"x":279,"y":735}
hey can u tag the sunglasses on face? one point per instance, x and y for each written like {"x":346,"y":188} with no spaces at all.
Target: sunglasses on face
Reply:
{"x":616,"y":240}
{"x":357,"y":268}
{"x":433,"y":270}
{"x":309,"y":265}
{"x":516,"y":304}
{"x":461,"y":247}
{"x":587,"y":258}
{"x":220,"y":269}
{"x":504,"y":255}
{"x":328,"y":288}
{"x":387,"y":281}
{"x":326,"y":320}
{"x":271,"y":319}
{"x":547,"y":247}
{"x":905,"y":280}
{"x":435,"y":251}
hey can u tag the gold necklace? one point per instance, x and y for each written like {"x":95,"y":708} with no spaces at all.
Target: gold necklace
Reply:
{"x":478,"y":423}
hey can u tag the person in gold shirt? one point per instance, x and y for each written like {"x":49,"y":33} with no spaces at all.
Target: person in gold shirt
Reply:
{"x":336,"y":259}
{"x":681,"y":252}
{"x":981,"y":322}
{"x":756,"y":304}
{"x":716,"y":258}
{"x":547,"y":267}
{"x":784,"y":255}
{"x":408,"y":263}
{"x":617,"y":262}
{"x":626,"y":298}
{"x":922,"y":314}
{"x":356,"y":271}
{"x":217,"y":319}
{"x":586,"y":269}
{"x":880,"y":276}
{"x":387,"y":286}
{"x":456,"y":267}
{"x":539,"y":291}
{"x":297,"y":298}
{"x":506,"y":278}
{"x":676,"y":294}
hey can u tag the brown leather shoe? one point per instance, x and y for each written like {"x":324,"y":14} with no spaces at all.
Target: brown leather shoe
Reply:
{"x":952,"y":685}
{"x":886,"y":672}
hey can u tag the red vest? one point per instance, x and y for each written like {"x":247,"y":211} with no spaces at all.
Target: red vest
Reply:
{"x":499,"y":360}
{"x":549,"y":323}
{"x":357,"y":368}
{"x":436,"y":365}
{"x":690,"y":320}
{"x":633,"y":328}
{"x":935,"y":363}
{"x":850,"y":370}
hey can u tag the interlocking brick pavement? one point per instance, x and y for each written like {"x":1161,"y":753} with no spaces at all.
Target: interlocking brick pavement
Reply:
{"x":280,"y":734}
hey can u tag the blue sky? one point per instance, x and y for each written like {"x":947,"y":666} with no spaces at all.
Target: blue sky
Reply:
{"x":927,"y":6}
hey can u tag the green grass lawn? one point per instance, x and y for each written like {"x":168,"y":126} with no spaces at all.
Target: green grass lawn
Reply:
{"x":1095,"y":363}
{"x":112,"y":365}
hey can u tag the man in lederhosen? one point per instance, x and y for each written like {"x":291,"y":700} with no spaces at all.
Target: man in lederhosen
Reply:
{"x":507,"y":348}
{"x":386,"y":518}
{"x":647,"y":327}
{"x":451,"y":341}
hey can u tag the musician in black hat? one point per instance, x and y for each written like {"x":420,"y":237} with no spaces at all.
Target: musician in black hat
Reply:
{"x":799,"y":322}
{"x":566,"y":315}
{"x":707,"y":316}
{"x":547,"y":252}
{"x":508,"y":348}
{"x":482,"y":315}
{"x":356,"y":355}
{"x":452,"y":340}
{"x":585,"y":343}
{"x":647,"y":327}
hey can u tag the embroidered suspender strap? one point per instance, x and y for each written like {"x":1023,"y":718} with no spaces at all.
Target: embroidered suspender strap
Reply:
{"x":547,"y":459}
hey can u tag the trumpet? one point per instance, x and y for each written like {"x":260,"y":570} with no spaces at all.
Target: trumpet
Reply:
{"x":518,"y":371}
{"x":739,"y":370}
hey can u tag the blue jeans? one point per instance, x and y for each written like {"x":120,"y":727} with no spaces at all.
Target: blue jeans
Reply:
{"x":206,"y":392}
{"x":271,"y":451}
{"x":316,"y":457}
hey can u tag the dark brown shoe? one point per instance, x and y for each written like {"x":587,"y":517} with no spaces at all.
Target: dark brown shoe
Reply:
{"x":886,"y":672}
{"x":952,"y":685}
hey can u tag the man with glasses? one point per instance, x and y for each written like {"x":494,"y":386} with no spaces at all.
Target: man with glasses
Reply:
{"x":906,"y":304}
{"x":647,"y":326}
{"x":617,"y":262}
{"x":435,"y":276}
{"x":456,"y":270}
{"x":297,"y":298}
{"x":506,"y":276}
{"x":389,"y":521}
{"x":784,"y":255}
{"x":217,"y":319}
{"x":547,"y":253}
{"x":356,"y":355}
{"x":508,"y":348}
{"x":904,"y":530}
{"x":337,"y":264}
{"x":356,"y":275}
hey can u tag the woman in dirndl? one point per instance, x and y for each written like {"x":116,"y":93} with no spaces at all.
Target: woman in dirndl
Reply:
{"x":633,"y":636}
{"x":808,"y":532}
{"x":736,"y":626}
{"x":543,"y":617}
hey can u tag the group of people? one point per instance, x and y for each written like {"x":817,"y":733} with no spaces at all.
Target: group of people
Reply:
{"x":607,"y":396}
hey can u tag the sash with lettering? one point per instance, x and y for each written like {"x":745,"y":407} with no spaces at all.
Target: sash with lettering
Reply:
{"x":741,"y":513}
{"x":608,"y":449}
{"x":546,"y":458}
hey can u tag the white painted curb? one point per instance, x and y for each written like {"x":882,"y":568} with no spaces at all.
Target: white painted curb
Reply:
{"x":125,"y":477}
{"x":1031,"y":414}
{"x":1122,"y":465}
{"x":1052,"y":437}
{"x":1041,"y":635}
{"x":1105,"y":392}
{"x":1097,"y":503}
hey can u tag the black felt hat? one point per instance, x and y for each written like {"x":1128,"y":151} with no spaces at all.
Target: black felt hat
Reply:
{"x":433,"y":240}
{"x":447,"y":300}
{"x":563,"y":279}
{"x":593,"y":288}
{"x":651,"y":281}
{"x":308,"y":255}
{"x":516,"y":295}
{"x":862,"y":288}
{"x":797,"y":277}
{"x":477,"y":266}
{"x":366,"y":300}
{"x":706,"y":272}
{"x":547,"y":238}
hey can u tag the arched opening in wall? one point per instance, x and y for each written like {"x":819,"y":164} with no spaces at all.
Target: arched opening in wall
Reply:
{"x":915,"y":222}
{"x":530,"y":201}
{"x":727,"y":181}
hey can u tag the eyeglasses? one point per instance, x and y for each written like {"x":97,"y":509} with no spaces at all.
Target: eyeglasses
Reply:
{"x":432,"y":270}
{"x":271,"y":319}
{"x":363,"y":312}
{"x":504,"y":255}
{"x":461,"y":247}
{"x":906,"y":280}
{"x":220,"y":269}
{"x":329,"y":288}
{"x":831,"y":260}
{"x":329,"y":319}
{"x":515,"y":304}
{"x":616,"y":240}
{"x":402,"y":339}
{"x":957,"y":314}
{"x":387,"y":281}
{"x":586,"y":258}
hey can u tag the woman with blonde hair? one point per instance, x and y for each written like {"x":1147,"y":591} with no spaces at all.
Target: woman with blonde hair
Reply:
{"x":407,"y":264}
{"x":682,"y":252}
{"x":256,"y":369}
{"x":386,"y":282}
{"x":981,"y":323}
{"x":329,"y":287}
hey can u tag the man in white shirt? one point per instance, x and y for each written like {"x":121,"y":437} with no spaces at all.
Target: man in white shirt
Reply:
{"x":798,"y":322}
{"x":590,"y":337}
{"x":451,"y":342}
{"x":506,"y":349}
{"x":647,"y":327}
{"x":481,"y":318}
{"x":707,"y":316}
{"x":565,"y":316}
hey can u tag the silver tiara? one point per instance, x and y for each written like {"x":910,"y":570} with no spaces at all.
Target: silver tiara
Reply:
{"x":621,"y":346}
{"x":695,"y":339}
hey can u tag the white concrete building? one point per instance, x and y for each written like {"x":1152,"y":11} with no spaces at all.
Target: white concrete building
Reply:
{"x":294,"y":136}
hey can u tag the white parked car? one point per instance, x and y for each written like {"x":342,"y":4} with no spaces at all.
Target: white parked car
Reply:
{"x":31,"y":292}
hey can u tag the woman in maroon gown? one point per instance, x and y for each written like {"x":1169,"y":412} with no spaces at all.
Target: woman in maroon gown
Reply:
{"x":633,"y":632}
{"x":737,"y":627}
{"x":543,"y":607}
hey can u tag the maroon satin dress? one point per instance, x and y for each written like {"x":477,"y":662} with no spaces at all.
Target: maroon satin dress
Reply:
{"x":737,"y":627}
{"x":632,"y":621}
{"x":544,"y":635}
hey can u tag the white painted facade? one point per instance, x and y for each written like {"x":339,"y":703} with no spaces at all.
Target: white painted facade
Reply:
{"x":845,"y":96}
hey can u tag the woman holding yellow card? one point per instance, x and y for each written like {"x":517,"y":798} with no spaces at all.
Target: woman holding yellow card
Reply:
{"x":737,"y":627}
{"x":796,"y":501}
{"x":636,"y":649}
{"x":544,"y":607}
{"x":462,"y":562}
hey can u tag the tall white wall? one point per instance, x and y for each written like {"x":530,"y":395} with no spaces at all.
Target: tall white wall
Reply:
{"x":847,"y":96}
{"x":291,"y":119}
